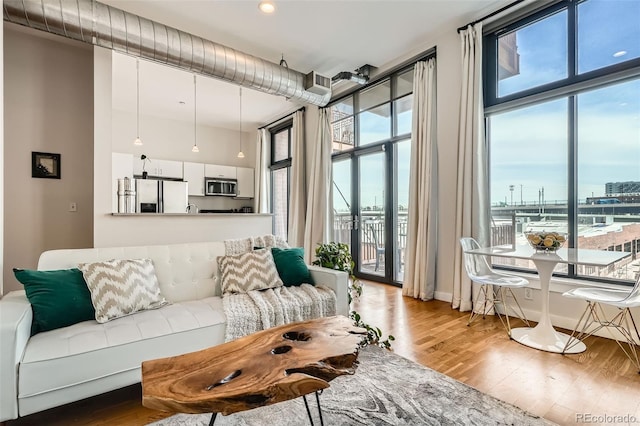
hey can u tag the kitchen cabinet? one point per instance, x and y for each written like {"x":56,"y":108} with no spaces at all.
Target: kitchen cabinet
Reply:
{"x":246,"y":182}
{"x":158,"y":168}
{"x":218,"y":171}
{"x":194,"y":174}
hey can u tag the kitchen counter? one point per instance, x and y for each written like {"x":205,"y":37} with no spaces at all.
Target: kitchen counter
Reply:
{"x":143,"y":229}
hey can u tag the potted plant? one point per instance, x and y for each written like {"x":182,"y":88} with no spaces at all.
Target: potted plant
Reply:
{"x":338,"y":256}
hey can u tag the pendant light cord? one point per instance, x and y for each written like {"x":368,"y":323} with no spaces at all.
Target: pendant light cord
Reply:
{"x":240,"y":118}
{"x":138,"y":98}
{"x":195,"y":109}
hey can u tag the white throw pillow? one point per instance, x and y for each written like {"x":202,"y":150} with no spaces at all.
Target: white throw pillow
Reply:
{"x":122,"y":287}
{"x":245,"y":272}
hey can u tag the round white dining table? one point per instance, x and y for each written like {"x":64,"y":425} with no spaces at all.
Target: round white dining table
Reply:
{"x":543,"y":336}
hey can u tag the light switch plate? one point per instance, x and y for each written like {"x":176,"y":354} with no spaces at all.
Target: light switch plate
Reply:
{"x":73,"y":207}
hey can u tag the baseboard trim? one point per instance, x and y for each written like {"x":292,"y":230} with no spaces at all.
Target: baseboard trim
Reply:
{"x":445,"y":297}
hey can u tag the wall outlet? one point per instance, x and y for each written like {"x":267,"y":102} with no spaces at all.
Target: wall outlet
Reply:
{"x":528,"y":293}
{"x":73,"y":207}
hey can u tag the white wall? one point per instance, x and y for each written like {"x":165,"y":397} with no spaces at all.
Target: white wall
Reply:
{"x":49,"y":108}
{"x":2,"y":161}
{"x":172,"y":140}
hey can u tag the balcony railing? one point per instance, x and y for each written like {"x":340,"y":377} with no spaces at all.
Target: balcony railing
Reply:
{"x":372,"y":234}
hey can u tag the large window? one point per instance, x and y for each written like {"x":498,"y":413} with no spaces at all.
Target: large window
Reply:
{"x":280,"y":177}
{"x":562,"y":103}
{"x":371,"y":150}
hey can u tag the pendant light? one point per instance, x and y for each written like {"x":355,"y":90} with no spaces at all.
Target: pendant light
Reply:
{"x":137,"y":141}
{"x":195,"y":112}
{"x":240,"y":153}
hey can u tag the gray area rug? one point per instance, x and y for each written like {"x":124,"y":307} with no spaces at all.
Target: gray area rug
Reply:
{"x":386,"y":390}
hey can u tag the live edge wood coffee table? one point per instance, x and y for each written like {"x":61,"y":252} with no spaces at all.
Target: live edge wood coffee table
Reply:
{"x":273,"y":365}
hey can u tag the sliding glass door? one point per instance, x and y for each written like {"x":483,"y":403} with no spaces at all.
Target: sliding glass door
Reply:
{"x":371,"y":212}
{"x":370,"y":199}
{"x":371,"y":144}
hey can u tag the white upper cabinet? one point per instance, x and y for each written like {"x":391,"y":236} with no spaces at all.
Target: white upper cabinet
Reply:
{"x":217,"y":171}
{"x":170,"y":169}
{"x":158,"y":168}
{"x":246,"y":183}
{"x":194,"y":174}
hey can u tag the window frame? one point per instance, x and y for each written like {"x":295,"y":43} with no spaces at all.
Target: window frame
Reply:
{"x":387,"y":144}
{"x":620,"y":71}
{"x":570,"y":88}
{"x":285,"y":163}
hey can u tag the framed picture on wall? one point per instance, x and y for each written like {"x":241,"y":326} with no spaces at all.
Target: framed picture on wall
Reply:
{"x":45,"y":165}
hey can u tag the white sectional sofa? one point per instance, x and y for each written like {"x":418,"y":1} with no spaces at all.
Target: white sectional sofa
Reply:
{"x":68,"y":364}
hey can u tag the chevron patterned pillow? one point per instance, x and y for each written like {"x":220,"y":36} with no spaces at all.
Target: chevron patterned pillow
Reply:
{"x":122,"y":287}
{"x":254,"y":270}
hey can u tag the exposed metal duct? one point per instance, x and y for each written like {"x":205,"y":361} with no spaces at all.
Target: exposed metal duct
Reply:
{"x":105,"y":26}
{"x":349,"y":76}
{"x":360,"y":76}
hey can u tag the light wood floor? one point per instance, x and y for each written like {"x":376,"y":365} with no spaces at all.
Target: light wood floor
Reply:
{"x":601,"y":381}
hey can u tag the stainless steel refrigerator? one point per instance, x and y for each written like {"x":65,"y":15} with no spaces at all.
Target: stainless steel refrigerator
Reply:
{"x":161,"y":196}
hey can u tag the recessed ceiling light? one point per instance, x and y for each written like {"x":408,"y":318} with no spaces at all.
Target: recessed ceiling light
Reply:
{"x":619,"y":53}
{"x":267,"y":6}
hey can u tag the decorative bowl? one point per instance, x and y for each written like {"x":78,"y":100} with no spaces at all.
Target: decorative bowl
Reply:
{"x":546,"y":241}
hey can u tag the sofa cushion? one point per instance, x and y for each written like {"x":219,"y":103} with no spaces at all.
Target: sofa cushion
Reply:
{"x":89,"y":351}
{"x":254,"y":270}
{"x":291,"y":266}
{"x":58,"y":298}
{"x":121,"y":287}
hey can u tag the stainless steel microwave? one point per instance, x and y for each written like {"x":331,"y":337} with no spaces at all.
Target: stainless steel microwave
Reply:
{"x":221,"y":187}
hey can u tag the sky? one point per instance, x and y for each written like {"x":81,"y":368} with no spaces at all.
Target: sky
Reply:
{"x":529,"y":146}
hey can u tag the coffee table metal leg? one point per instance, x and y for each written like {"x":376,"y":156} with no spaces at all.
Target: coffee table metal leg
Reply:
{"x":319,"y":409}
{"x":306,"y":404}
{"x":213,"y":419}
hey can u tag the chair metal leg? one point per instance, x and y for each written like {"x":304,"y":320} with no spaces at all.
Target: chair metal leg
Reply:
{"x":500,"y":300}
{"x":486,"y":305}
{"x":623,"y":322}
{"x":518,"y":313}
{"x":624,"y":327}
{"x":588,"y":318}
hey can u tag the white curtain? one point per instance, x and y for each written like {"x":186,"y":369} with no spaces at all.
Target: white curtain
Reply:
{"x":298,"y":194}
{"x":317,"y":220}
{"x":420,"y":257}
{"x":472,"y":186}
{"x":262,"y":198}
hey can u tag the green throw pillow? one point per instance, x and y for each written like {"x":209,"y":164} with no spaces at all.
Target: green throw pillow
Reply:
{"x":58,"y":298}
{"x":291,"y":267}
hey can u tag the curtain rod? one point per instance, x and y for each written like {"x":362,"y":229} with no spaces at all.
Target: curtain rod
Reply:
{"x":492,"y":14}
{"x":282,"y":118}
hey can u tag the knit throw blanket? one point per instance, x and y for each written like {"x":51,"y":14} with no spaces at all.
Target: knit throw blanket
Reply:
{"x":261,"y":309}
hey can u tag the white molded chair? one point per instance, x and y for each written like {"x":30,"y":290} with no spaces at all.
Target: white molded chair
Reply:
{"x":593,"y":318}
{"x":479,"y":271}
